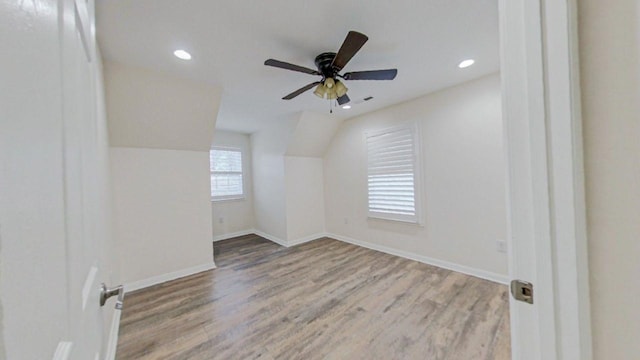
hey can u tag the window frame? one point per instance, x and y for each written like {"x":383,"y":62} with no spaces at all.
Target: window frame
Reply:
{"x":221,"y":198}
{"x":417,"y":219}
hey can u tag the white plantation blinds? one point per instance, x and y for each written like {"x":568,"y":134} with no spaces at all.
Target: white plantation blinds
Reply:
{"x":226,"y":174}
{"x":391,"y":162}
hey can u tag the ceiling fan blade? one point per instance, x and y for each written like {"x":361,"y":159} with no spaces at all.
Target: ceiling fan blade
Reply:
{"x":388,"y":74}
{"x":352,"y":43}
{"x":343,"y":99}
{"x":301,"y":90}
{"x":287,"y":66}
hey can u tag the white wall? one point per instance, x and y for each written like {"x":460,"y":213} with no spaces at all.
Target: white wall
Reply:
{"x":233,"y":216}
{"x":288,"y":176}
{"x":312,"y":134}
{"x":150,"y":109}
{"x":304,"y":185}
{"x":304,"y":179}
{"x":161,"y":129}
{"x":162,"y":210}
{"x":267,"y":149}
{"x":463,"y":189}
{"x":610,"y":71}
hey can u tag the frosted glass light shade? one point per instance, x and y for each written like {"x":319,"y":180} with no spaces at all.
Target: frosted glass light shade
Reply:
{"x":320,"y":91}
{"x":340,"y":89}
{"x":329,"y":83}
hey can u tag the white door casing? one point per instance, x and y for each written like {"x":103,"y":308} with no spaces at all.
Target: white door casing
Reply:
{"x":547,"y":226}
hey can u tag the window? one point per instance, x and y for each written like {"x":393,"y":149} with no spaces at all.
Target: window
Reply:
{"x":226,"y":174}
{"x":391,"y":174}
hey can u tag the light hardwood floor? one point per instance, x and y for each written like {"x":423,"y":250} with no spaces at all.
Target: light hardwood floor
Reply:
{"x":321,"y":300}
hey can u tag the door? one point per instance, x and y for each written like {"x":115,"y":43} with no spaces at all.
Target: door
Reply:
{"x":53,"y":188}
{"x":85,"y":203}
{"x":547,"y":222}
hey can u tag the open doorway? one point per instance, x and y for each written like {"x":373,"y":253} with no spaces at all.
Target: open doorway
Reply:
{"x":307,"y":174}
{"x":279,"y":162}
{"x":543,"y":157}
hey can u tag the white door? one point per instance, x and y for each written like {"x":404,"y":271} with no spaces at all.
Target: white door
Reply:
{"x":83,"y":200}
{"x":53,"y":193}
{"x":547,"y":224}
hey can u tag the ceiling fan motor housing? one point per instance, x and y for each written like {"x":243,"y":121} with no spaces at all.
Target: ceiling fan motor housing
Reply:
{"x":323,"y":62}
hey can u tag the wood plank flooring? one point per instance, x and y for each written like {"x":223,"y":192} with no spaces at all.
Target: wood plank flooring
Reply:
{"x":321,"y":300}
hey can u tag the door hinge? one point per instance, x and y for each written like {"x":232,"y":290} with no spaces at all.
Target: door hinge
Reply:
{"x":522,"y":291}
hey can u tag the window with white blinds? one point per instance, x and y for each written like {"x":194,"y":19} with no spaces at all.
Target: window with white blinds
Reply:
{"x":226,"y":174}
{"x":391,"y":174}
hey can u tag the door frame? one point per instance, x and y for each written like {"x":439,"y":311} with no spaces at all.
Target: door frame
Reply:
{"x":546,"y":196}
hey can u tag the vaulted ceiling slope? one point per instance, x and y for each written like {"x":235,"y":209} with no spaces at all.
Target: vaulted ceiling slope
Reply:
{"x":229,"y":41}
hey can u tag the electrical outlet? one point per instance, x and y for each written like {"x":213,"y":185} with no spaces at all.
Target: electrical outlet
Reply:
{"x":501,"y":246}
{"x":346,"y":221}
{"x":221,"y":220}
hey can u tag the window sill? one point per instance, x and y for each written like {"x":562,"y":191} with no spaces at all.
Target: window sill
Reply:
{"x":392,"y":220}
{"x":229,"y":199}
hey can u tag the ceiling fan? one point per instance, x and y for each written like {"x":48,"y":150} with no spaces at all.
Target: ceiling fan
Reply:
{"x":329,"y":65}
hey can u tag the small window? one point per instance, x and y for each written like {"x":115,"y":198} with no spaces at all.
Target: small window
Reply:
{"x":391,"y":174}
{"x":226,"y":174}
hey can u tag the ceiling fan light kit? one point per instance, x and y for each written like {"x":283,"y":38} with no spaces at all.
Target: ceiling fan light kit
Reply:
{"x":329,"y":83}
{"x":329,"y":65}
{"x":341,"y":90}
{"x":320,"y":91}
{"x":331,"y":92}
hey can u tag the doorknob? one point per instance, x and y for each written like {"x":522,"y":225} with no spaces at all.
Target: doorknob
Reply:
{"x":106,"y":293}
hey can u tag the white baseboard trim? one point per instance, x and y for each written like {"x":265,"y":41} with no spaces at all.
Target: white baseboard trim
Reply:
{"x":141,"y":284}
{"x":483,"y":274}
{"x":305,"y":239}
{"x":289,"y":243}
{"x":112,"y":345}
{"x":269,"y":237}
{"x":234,"y":234}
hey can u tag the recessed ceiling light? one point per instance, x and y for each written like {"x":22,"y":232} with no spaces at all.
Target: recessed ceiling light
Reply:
{"x":466,"y":63}
{"x":347,"y":107}
{"x":181,"y":54}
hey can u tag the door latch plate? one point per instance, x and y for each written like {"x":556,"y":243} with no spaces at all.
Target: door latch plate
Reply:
{"x":522,"y":291}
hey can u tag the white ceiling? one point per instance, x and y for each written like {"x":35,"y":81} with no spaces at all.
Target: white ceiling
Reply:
{"x":229,"y":40}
